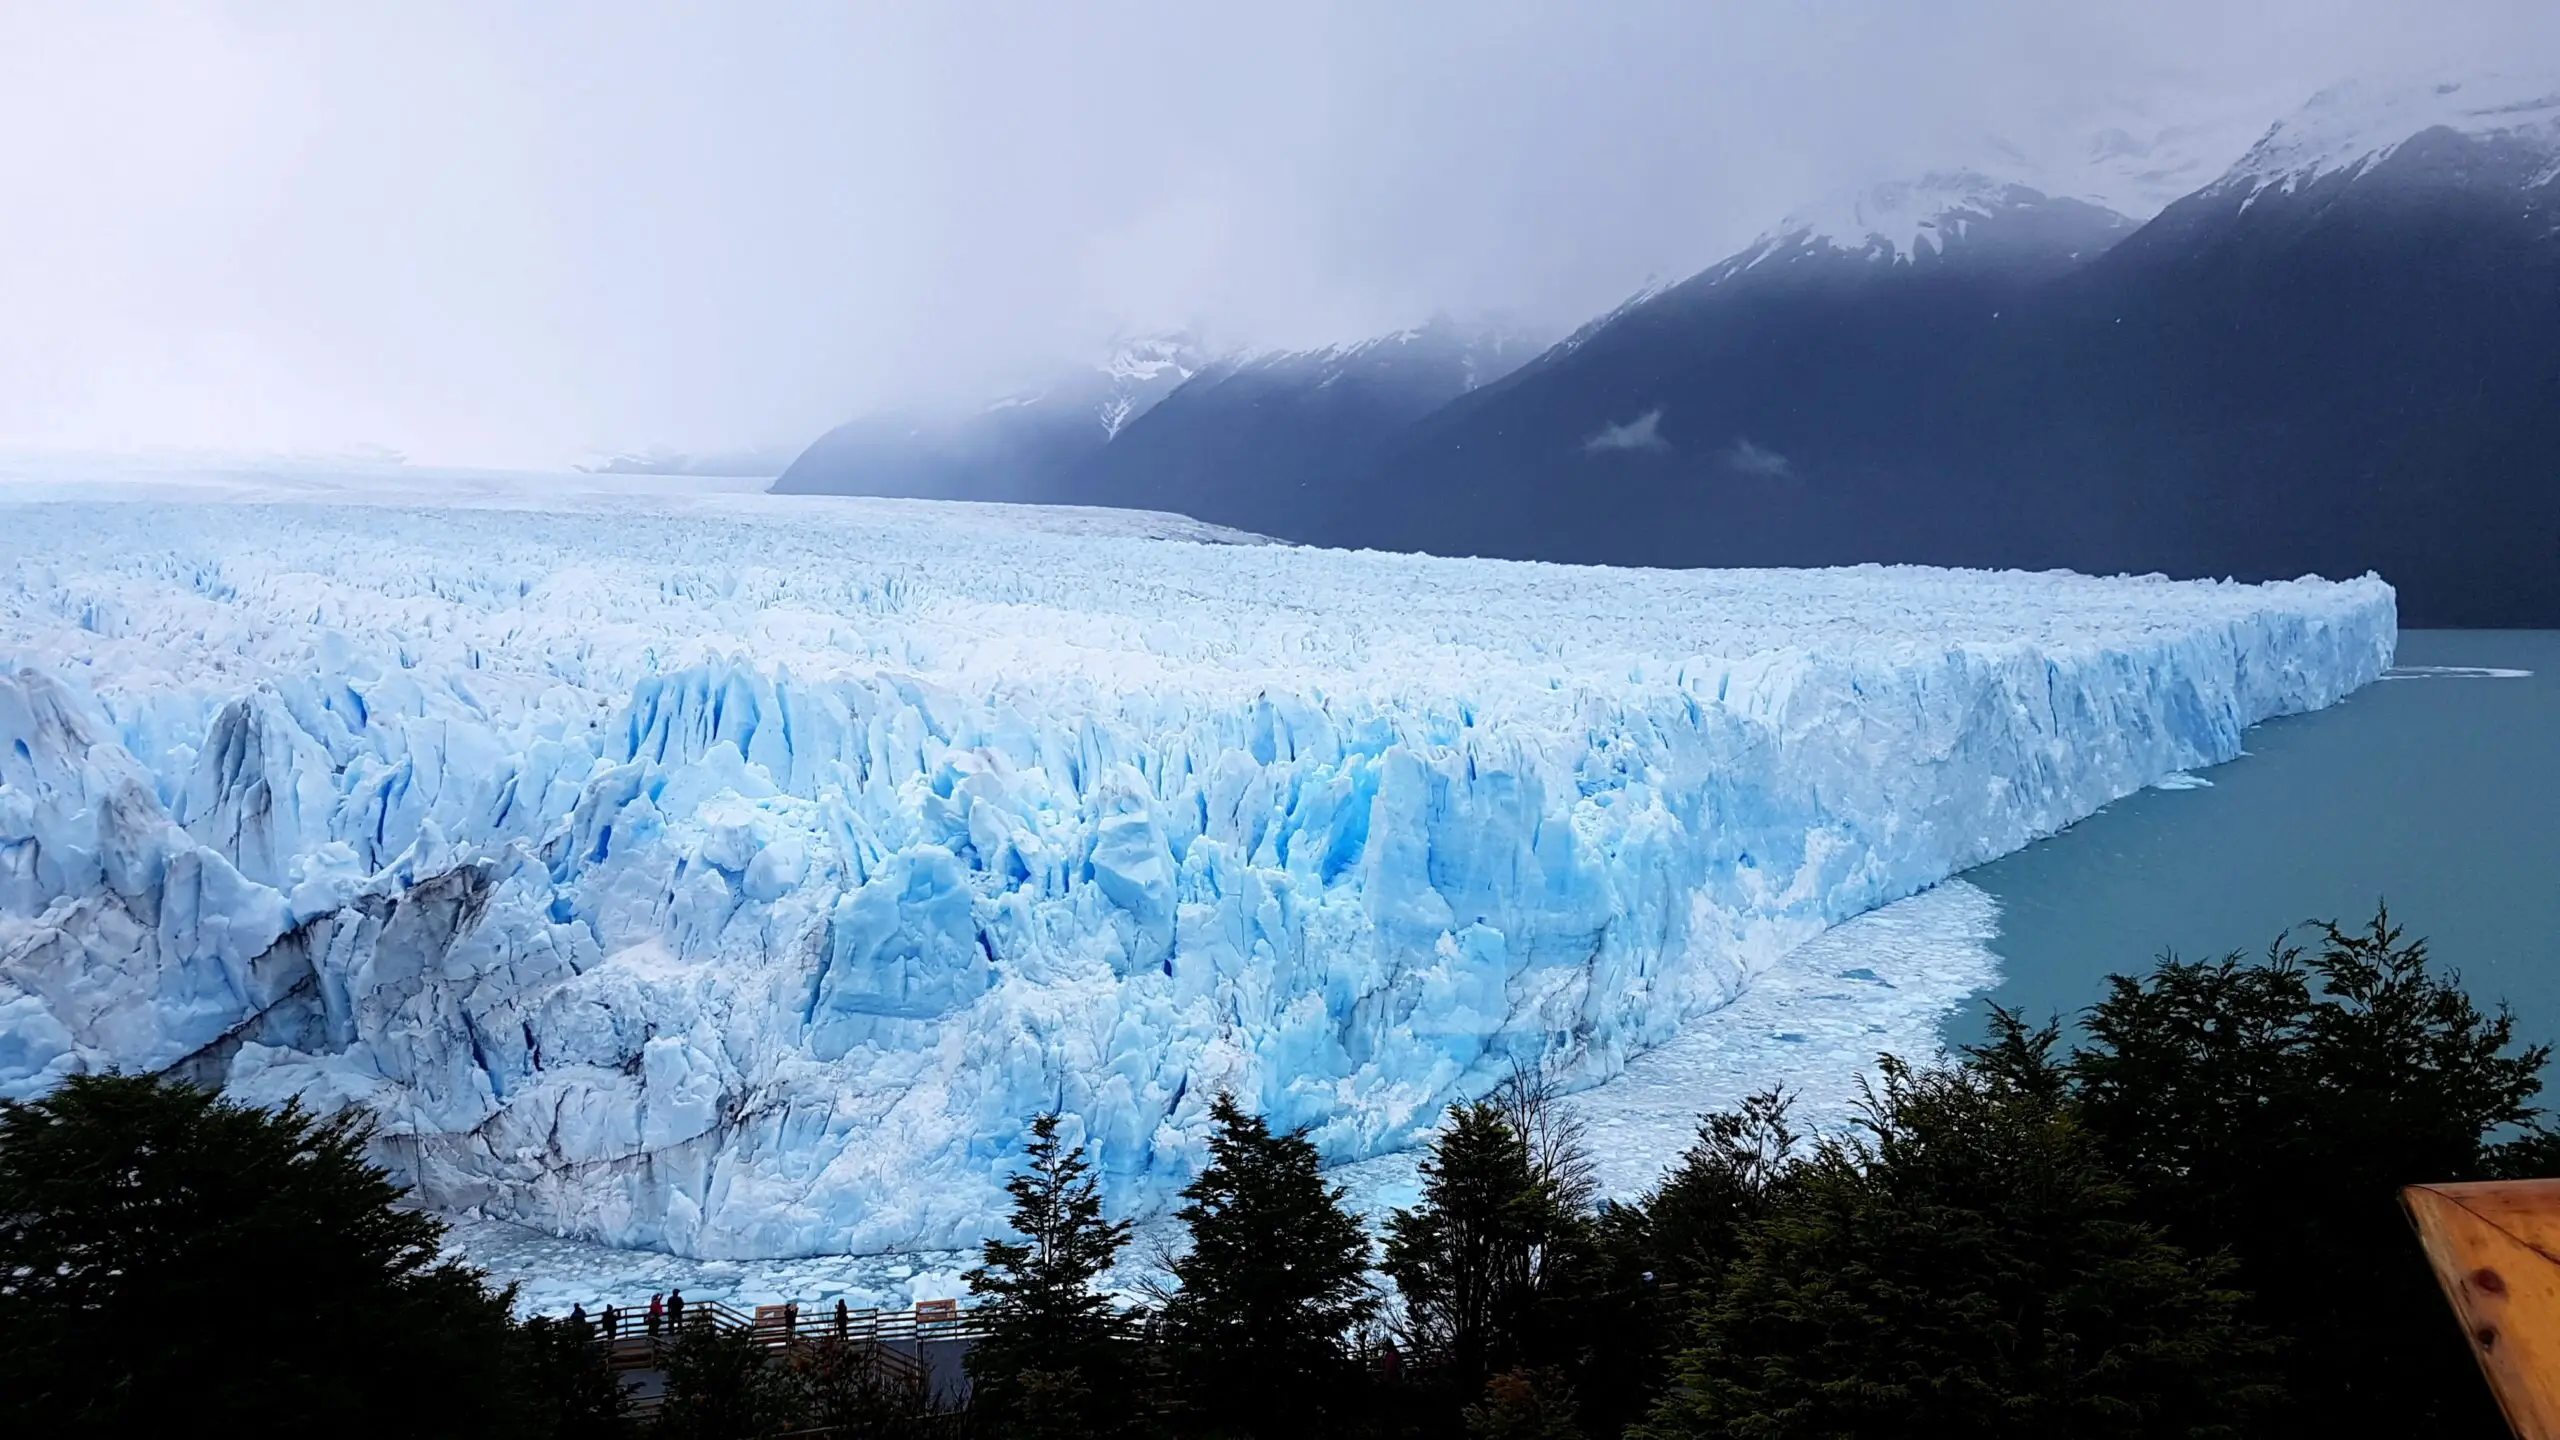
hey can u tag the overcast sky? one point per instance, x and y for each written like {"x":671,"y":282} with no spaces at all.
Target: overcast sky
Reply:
{"x":529,"y":233}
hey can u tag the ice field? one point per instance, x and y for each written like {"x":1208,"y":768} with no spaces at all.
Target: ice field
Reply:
{"x":1814,"y":1021}
{"x":734,"y":875}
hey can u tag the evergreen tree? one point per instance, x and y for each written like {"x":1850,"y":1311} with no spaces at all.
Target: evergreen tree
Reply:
{"x":1728,"y":1178}
{"x":1276,"y":1278}
{"x":577,"y":1394}
{"x":1057,"y":1358}
{"x":175,"y":1263}
{"x":1655,"y":1257}
{"x":1968,"y":1266}
{"x":1492,"y":1243}
{"x":723,"y":1384}
{"x":2276,"y":1109}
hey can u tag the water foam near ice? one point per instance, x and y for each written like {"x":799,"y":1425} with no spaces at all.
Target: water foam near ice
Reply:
{"x":733,"y":875}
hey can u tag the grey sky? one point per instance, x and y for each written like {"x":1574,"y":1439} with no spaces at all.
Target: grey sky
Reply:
{"x":524,"y":233}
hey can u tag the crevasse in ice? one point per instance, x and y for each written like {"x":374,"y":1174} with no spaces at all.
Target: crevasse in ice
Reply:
{"x":736,"y":880}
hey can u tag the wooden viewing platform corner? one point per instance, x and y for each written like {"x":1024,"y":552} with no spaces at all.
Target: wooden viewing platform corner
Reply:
{"x":2495,"y":1246}
{"x":922,"y":1346}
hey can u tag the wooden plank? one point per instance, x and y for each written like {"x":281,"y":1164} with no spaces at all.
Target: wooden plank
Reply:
{"x":2495,"y":1247}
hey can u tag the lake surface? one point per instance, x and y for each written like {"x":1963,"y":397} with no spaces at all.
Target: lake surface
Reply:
{"x":2439,"y":792}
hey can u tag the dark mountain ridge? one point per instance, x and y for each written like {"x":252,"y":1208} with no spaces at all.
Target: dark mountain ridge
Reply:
{"x":1024,"y":447}
{"x":1259,"y":443}
{"x":2358,"y":371}
{"x":2343,"y":355}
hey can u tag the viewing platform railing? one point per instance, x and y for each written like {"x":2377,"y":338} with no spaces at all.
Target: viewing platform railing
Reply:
{"x":891,"y":1341}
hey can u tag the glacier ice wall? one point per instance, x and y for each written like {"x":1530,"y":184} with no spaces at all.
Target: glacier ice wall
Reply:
{"x":735,"y":878}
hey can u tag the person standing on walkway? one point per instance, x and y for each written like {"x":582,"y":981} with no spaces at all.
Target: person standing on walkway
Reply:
{"x":657,"y":1311}
{"x":675,"y":1310}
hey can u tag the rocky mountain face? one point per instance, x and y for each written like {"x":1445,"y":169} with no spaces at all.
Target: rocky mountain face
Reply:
{"x":1253,"y":440}
{"x":1686,"y":428}
{"x":1023,"y":447}
{"x":1259,"y":442}
{"x":2342,"y":355}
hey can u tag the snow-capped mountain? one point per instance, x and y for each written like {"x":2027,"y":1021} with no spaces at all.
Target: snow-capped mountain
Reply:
{"x":1131,"y":376}
{"x":1944,"y":216}
{"x":2338,"y":352}
{"x":2155,"y":347}
{"x":1161,"y":423}
{"x":1898,"y":243}
{"x":2062,"y":198}
{"x":1458,"y":355}
{"x":2139,"y":168}
{"x":1247,"y":440}
{"x":1142,"y":372}
{"x":2351,"y":128}
{"x":1020,"y":447}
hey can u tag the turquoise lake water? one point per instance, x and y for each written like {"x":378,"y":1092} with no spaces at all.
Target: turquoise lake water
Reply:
{"x":2437,"y":792}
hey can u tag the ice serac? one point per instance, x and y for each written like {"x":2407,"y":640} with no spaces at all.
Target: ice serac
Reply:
{"x":736,"y":880}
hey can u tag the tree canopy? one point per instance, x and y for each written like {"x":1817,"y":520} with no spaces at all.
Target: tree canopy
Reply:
{"x":1275,"y":1279}
{"x":2275,"y":1108}
{"x":171,"y":1260}
{"x":1057,"y":1357}
{"x":2184,"y":1224}
{"x":1964,"y":1262}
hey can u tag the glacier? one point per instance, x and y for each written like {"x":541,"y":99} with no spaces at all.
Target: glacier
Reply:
{"x":734,"y":875}
{"x":1884,"y":982}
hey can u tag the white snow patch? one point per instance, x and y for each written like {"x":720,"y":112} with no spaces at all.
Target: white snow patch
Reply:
{"x":1642,"y":433}
{"x":1904,"y":219}
{"x":1141,"y":372}
{"x":1749,"y":459}
{"x":2352,"y":126}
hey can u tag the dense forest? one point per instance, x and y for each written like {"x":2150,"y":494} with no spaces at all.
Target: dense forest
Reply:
{"x":2179,"y":1221}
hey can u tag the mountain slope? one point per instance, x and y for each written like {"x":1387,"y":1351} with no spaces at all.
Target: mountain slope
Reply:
{"x":2345,"y":354}
{"x":1021,"y":448}
{"x":1682,"y":429}
{"x":2337,"y":363}
{"x":1248,"y":442}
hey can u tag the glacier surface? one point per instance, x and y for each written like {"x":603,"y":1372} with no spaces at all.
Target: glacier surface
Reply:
{"x":733,"y":875}
{"x":1882,"y":983}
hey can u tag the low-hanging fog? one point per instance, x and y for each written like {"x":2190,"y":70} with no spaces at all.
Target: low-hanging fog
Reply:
{"x":529,"y":234}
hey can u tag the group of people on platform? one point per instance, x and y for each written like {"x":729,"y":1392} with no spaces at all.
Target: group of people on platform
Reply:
{"x":666,"y":1315}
